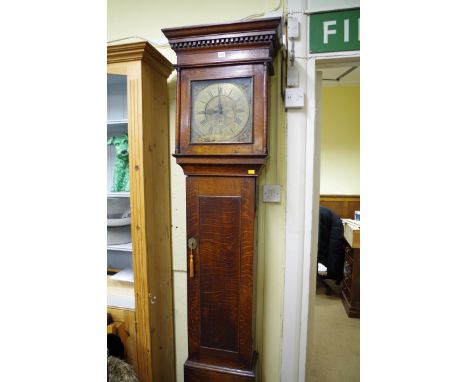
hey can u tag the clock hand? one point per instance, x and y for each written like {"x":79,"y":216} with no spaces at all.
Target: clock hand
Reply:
{"x":211,"y":111}
{"x":220,"y":106}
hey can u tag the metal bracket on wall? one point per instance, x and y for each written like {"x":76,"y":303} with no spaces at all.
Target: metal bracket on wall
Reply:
{"x":337,"y":79}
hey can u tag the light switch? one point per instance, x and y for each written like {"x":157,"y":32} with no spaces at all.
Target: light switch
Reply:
{"x":294,"y":97}
{"x":271,"y":193}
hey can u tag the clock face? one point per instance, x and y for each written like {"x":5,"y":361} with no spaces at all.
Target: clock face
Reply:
{"x":221,"y":111}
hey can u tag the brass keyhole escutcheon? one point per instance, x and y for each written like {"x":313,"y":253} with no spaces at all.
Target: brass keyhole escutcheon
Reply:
{"x":192,"y":244}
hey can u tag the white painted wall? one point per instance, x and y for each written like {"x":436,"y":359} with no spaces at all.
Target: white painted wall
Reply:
{"x":295,"y":210}
{"x":301,"y":212}
{"x":325,"y":5}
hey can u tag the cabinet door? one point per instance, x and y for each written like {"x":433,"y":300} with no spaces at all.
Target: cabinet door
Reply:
{"x":220,"y":216}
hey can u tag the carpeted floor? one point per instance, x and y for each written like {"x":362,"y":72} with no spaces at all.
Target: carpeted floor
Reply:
{"x":335,"y":354}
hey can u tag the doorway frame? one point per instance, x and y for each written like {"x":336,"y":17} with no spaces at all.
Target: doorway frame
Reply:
{"x":302,"y":223}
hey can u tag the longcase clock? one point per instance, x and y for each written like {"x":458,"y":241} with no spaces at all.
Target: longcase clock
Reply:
{"x":221,"y":144}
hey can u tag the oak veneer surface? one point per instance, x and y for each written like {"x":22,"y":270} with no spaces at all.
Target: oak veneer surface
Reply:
{"x":220,"y":213}
{"x":342,"y":205}
{"x":219,"y":301}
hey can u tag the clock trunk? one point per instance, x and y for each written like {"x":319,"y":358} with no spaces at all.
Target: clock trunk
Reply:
{"x":220,"y":214}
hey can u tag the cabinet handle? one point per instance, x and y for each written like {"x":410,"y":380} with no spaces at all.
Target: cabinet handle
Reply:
{"x":152,"y":298}
{"x":192,"y":244}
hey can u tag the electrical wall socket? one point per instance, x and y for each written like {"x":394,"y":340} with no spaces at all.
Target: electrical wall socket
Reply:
{"x":271,"y":193}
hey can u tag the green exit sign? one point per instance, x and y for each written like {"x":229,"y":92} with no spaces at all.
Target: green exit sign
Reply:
{"x":334,"y":31}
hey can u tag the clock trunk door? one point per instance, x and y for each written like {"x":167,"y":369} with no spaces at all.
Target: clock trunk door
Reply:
{"x":220,"y":216}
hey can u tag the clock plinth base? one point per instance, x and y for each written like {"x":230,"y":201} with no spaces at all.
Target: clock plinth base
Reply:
{"x":202,"y":372}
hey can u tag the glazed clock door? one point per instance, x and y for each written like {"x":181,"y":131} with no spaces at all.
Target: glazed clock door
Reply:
{"x":220,"y":217}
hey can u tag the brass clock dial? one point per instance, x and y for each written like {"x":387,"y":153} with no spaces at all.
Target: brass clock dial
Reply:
{"x":222,"y":111}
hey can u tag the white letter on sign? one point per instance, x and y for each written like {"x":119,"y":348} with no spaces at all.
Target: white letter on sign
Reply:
{"x":327,"y":31}
{"x":346,"y":30}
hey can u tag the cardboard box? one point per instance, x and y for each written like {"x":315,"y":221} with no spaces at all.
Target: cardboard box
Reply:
{"x":352,"y":234}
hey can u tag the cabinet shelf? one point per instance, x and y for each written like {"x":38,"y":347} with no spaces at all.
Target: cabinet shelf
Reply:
{"x":127,"y":247}
{"x":125,"y":274}
{"x":114,"y":122}
{"x":121,"y":194}
{"x":117,"y":127}
{"x":120,"y":294}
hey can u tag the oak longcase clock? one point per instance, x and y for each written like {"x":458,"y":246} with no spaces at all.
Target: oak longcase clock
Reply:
{"x":221,"y":144}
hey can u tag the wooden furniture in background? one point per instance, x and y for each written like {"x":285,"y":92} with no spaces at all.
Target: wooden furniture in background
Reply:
{"x":342,"y":205}
{"x":222,"y":147}
{"x":125,"y":327}
{"x":350,"y":291}
{"x":142,"y":73}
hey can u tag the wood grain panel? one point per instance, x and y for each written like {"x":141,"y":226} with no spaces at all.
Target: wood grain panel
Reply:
{"x":220,"y":215}
{"x":219,"y":256}
{"x":138,"y":227}
{"x":157,"y":191}
{"x":246,"y":323}
{"x":342,"y":205}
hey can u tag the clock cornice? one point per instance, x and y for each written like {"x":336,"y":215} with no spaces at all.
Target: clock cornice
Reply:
{"x":242,"y":42}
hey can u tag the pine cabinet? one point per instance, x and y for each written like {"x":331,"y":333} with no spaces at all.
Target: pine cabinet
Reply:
{"x":139,"y":256}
